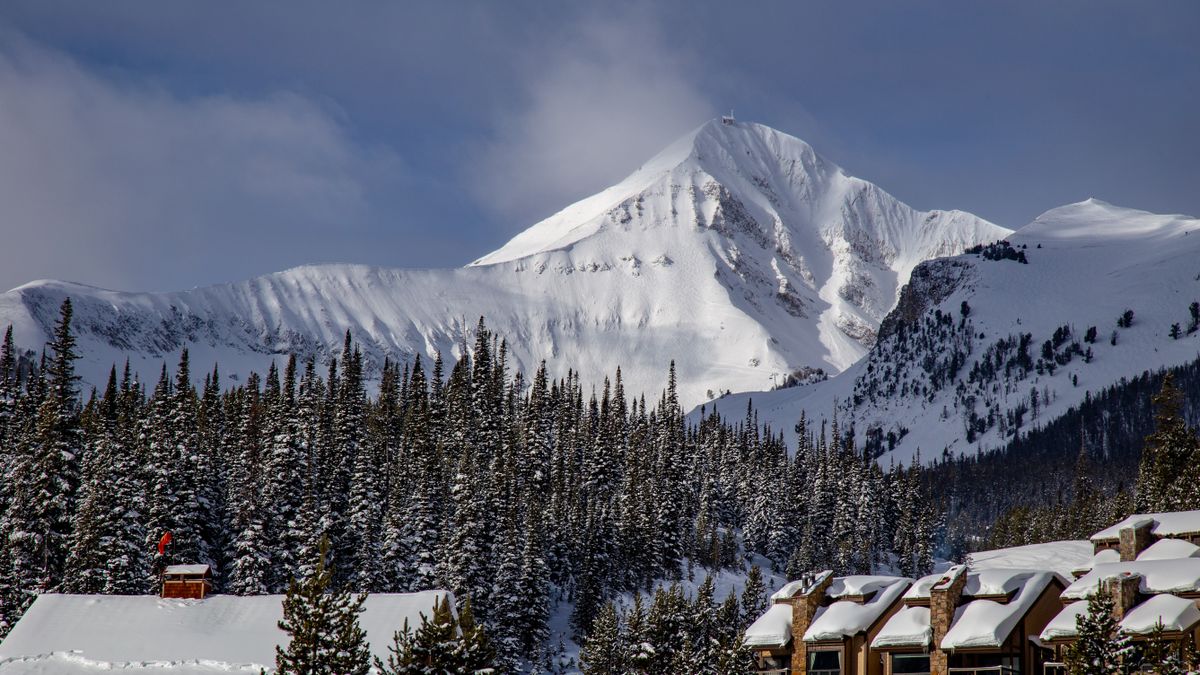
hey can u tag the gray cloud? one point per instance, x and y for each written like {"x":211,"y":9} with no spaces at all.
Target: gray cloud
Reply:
{"x":598,"y":100}
{"x":118,"y":182}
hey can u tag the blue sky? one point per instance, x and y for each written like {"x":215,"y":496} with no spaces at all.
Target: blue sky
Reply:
{"x":161,"y":146}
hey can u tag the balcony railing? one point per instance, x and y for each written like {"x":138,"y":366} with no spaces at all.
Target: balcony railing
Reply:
{"x":985,"y":670}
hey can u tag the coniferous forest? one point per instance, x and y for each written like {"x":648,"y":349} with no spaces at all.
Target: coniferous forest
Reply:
{"x":517,"y":491}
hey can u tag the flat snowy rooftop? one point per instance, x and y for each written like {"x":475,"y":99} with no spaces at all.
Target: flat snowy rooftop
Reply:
{"x":1165,"y":524}
{"x":1062,"y":557}
{"x":66,"y":634}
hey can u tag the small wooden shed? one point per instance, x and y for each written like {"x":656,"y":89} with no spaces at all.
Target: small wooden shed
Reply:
{"x":186,"y":581}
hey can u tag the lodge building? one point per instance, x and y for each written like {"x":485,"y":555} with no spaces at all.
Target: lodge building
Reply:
{"x":996,"y":618}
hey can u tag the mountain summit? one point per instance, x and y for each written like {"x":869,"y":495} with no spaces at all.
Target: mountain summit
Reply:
{"x":985,"y":347}
{"x":738,"y":252}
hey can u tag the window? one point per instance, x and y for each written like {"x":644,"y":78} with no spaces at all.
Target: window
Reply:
{"x":910,"y":664}
{"x":825,"y":663}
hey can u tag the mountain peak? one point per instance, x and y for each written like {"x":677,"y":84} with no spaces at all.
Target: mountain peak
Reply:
{"x":1093,"y":219}
{"x":746,"y":158}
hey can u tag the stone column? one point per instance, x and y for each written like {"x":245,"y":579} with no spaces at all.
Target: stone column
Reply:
{"x":804,"y":608}
{"x":1123,"y":589}
{"x":1135,"y":539}
{"x":943,"y":600}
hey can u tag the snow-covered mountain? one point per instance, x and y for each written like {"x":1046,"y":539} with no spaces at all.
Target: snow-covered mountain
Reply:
{"x":1036,"y":338}
{"x":738,"y":251}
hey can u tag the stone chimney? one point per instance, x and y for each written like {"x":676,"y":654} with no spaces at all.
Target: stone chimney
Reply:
{"x":1135,"y":538}
{"x":805,"y":602}
{"x":943,"y":600}
{"x":1123,"y":589}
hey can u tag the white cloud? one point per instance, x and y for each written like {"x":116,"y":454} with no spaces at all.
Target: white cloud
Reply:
{"x":598,"y":101}
{"x":99,"y":175}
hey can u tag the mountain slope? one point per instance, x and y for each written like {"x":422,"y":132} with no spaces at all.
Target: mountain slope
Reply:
{"x":938,"y":381}
{"x":737,"y":251}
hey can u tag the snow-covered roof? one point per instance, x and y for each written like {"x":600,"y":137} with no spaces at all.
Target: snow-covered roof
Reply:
{"x":910,"y":627}
{"x":994,"y":582}
{"x":65,"y":634}
{"x":860,"y":584}
{"x":1056,"y":556}
{"x":921,"y":587}
{"x":1063,"y":625}
{"x":1106,"y":556}
{"x":1175,"y":613}
{"x":1165,"y":524}
{"x":1169,"y":549}
{"x":847,"y":617}
{"x":1181,"y":575}
{"x":186,"y":569}
{"x":987,"y":623}
{"x":772,"y":629}
{"x":800,"y":587}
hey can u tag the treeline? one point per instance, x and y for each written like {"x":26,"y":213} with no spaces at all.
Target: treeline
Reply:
{"x":1082,"y":471}
{"x":515,"y":493}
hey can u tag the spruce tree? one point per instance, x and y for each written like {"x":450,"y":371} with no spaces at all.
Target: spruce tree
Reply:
{"x":1169,"y":472}
{"x":604,"y":652}
{"x":754,"y":595}
{"x":322,"y":625}
{"x":1100,"y":648}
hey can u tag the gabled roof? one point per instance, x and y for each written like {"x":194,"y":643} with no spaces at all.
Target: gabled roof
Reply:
{"x":987,"y":623}
{"x":800,"y":587}
{"x":1063,"y":625}
{"x":1162,"y":524}
{"x":1176,"y":614}
{"x":845,"y":618}
{"x":1108,"y":555}
{"x":1170,"y":549}
{"x":187,"y":569}
{"x":910,"y":627}
{"x":67,"y":634}
{"x":921,"y":587}
{"x":860,"y":585}
{"x":1181,"y":575}
{"x":772,"y":629}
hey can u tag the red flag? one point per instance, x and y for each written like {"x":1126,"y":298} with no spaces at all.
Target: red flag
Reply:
{"x":162,"y":543}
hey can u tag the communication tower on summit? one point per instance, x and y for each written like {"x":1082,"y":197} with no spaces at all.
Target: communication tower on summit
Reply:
{"x":728,"y":120}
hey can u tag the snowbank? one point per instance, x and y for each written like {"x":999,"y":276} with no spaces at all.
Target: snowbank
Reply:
{"x":223,"y":633}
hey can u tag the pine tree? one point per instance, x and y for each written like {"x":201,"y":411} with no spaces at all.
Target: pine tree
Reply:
{"x":603,"y":652}
{"x":1169,"y":473}
{"x":323,"y":628}
{"x":44,"y":473}
{"x":477,"y":653}
{"x":754,"y":595}
{"x":1100,"y":648}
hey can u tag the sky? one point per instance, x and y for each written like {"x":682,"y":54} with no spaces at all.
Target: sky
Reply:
{"x":162,"y":146}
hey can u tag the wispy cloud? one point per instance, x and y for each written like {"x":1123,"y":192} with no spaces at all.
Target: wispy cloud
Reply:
{"x":598,"y":99}
{"x":114,"y":181}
